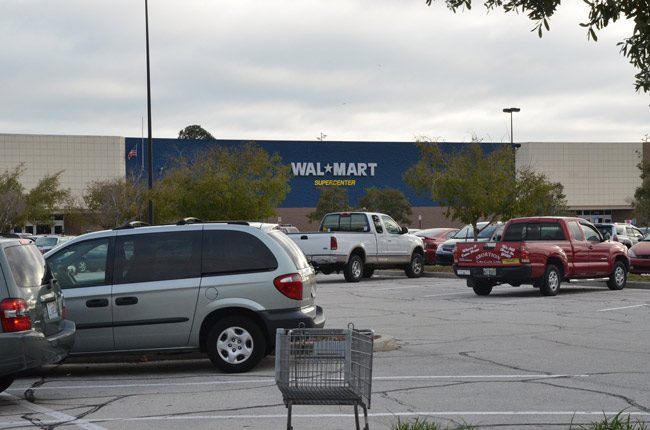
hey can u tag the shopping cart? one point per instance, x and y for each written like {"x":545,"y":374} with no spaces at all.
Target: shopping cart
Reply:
{"x":315,"y":366}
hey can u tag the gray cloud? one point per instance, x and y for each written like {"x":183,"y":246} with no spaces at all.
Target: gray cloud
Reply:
{"x":281,"y":69}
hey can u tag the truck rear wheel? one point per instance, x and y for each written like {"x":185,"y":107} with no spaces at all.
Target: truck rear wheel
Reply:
{"x":481,"y":288}
{"x":549,"y":285}
{"x":416,"y":266}
{"x":353,"y":271}
{"x":618,"y":278}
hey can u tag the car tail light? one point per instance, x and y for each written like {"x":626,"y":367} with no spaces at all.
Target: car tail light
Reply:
{"x":334,"y":245}
{"x":456,"y":253}
{"x":290,"y":285}
{"x":13,"y":313}
{"x":524,"y":255}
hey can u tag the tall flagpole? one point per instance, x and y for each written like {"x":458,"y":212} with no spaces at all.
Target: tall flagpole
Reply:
{"x":149,"y":141}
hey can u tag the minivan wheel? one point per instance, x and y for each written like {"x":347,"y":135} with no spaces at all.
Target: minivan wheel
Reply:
{"x":235,"y":344}
{"x":5,"y":382}
{"x":353,"y":271}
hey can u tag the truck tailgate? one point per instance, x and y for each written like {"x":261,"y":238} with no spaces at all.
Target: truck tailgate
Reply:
{"x":492,"y":254}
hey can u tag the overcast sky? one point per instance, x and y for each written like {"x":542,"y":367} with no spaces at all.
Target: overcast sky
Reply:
{"x":366,"y":70}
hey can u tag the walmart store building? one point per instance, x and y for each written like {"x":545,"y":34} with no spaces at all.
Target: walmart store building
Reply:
{"x":599,"y":178}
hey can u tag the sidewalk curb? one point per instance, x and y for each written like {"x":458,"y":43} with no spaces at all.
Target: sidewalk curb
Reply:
{"x":631,"y":285}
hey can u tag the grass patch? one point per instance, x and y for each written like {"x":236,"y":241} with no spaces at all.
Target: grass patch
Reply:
{"x":447,"y":269}
{"x":419,"y":424}
{"x":617,"y":422}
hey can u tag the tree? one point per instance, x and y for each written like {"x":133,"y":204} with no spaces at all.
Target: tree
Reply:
{"x":36,"y":206}
{"x":390,"y":201}
{"x":45,"y":198}
{"x":474,"y":186}
{"x":114,"y":202}
{"x":642,"y":193}
{"x":601,"y":13}
{"x":12,"y":199}
{"x":241,"y":183}
{"x":195,"y":132}
{"x":332,"y":199}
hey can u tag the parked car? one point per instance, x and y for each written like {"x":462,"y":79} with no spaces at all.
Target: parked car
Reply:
{"x":358,"y":243}
{"x":46,"y":242}
{"x":639,"y":255}
{"x":542,"y":251}
{"x":627,"y":234}
{"x":220,"y":288}
{"x":432,"y":238}
{"x":444,"y":253}
{"x":34,"y":330}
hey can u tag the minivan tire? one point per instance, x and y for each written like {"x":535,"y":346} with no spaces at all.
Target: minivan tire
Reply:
{"x":235,"y":344}
{"x":5,"y":382}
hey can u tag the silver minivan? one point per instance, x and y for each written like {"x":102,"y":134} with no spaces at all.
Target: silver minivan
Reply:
{"x":220,"y":288}
{"x":33,"y":326}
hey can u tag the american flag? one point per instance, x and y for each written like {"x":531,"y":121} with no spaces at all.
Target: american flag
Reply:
{"x":132,"y":153}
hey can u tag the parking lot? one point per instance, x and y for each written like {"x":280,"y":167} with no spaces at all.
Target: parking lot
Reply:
{"x":509,"y":360}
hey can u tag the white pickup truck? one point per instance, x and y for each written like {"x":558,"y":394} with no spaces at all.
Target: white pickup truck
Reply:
{"x":360,"y":242}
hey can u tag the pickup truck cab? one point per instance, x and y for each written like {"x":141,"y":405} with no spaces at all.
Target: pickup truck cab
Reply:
{"x":357,"y":243}
{"x":542,"y":251}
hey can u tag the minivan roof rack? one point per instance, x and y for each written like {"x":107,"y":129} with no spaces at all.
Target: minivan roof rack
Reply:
{"x":131,"y":224}
{"x":188,"y":220}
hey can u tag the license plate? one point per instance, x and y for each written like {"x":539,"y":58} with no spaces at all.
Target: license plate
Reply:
{"x":52,"y":310}
{"x":462,"y":272}
{"x":489,"y":271}
{"x":510,"y":261}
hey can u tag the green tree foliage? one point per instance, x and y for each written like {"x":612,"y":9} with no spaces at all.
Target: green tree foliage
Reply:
{"x":642,"y":193}
{"x":474,"y":187}
{"x":245,"y":183}
{"x":390,"y":201}
{"x":332,"y":199}
{"x":37,"y":206}
{"x":601,"y":13}
{"x":114,"y":202}
{"x":13,"y":203}
{"x":45,"y":198}
{"x":195,"y":132}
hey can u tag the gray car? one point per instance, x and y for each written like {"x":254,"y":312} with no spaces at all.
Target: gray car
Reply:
{"x":33,"y":330}
{"x":627,"y":234}
{"x":445,"y":252}
{"x":221,"y":288}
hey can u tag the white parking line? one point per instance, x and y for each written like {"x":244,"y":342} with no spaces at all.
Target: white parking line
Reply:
{"x":271,"y":380}
{"x":623,"y":307}
{"x":58,"y":417}
{"x":348,"y":416}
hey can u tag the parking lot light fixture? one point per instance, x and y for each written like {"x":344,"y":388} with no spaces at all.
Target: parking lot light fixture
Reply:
{"x":514,"y":147}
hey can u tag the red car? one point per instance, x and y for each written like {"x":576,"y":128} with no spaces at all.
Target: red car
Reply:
{"x":432,"y":238}
{"x":639,"y":256}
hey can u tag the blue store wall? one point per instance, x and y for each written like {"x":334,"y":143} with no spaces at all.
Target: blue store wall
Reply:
{"x":352,"y":165}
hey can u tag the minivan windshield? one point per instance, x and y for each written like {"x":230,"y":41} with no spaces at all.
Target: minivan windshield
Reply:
{"x":296,"y":254}
{"x":27,"y":266}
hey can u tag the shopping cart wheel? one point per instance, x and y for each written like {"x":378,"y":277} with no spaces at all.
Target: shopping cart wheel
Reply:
{"x":235,"y":344}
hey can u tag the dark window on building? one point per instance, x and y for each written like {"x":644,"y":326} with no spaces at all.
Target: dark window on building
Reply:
{"x":228,"y":252}
{"x":157,"y":257}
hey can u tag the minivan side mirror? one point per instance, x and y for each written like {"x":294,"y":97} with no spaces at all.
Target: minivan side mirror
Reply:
{"x":405,"y":230}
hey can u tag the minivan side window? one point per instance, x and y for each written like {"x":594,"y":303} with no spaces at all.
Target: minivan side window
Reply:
{"x":82,"y":264}
{"x":157,"y":256}
{"x":228,"y":252}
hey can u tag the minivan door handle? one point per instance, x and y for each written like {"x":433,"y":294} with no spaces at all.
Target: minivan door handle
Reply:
{"x":97,"y":303}
{"x":125,"y":301}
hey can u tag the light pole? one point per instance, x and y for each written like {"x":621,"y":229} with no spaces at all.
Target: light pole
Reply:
{"x":149,"y":140}
{"x":514,"y":147}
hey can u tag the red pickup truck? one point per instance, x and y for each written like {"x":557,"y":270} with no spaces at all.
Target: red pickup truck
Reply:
{"x":542,"y":251}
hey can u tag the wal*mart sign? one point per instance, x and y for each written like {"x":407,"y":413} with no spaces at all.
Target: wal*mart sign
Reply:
{"x":334,"y":169}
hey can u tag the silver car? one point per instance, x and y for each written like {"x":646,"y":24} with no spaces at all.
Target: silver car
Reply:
{"x":220,"y":288}
{"x":33,"y":330}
